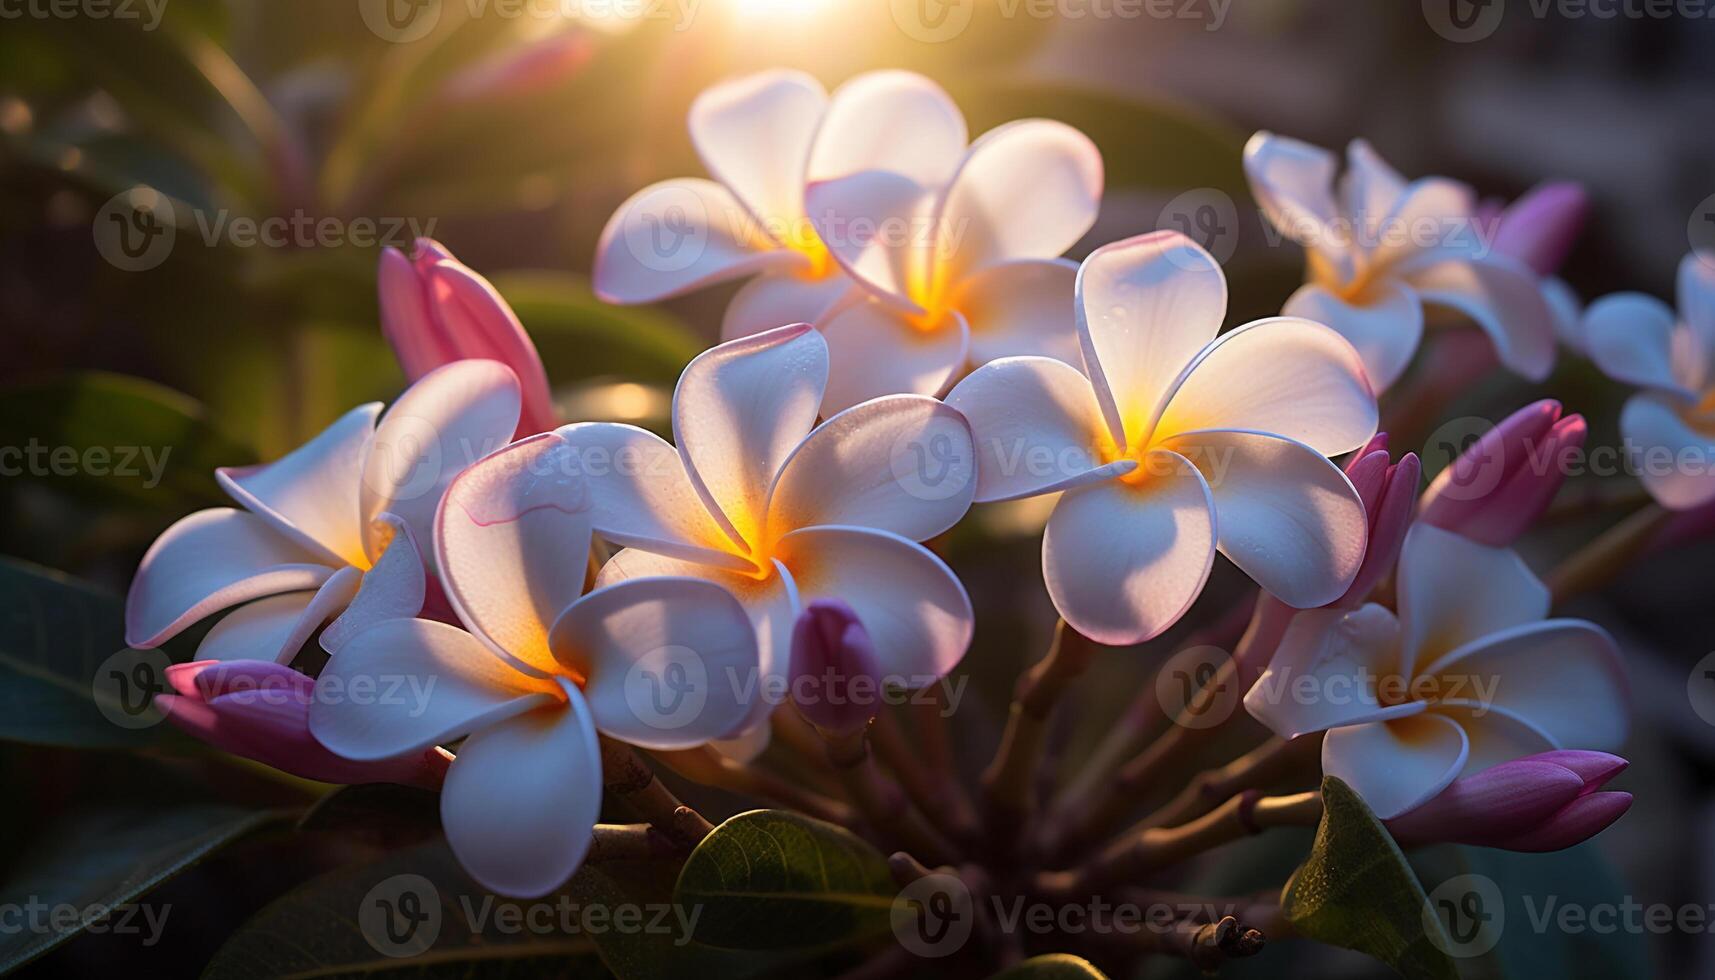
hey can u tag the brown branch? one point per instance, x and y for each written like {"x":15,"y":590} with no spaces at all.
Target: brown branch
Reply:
{"x":706,"y":766}
{"x":937,"y":794}
{"x":1599,"y":562}
{"x":625,"y":775}
{"x":632,"y":842}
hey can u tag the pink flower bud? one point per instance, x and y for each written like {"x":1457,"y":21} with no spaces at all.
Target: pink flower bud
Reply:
{"x":260,"y":710}
{"x":1499,"y":486}
{"x":835,"y":681}
{"x":1540,"y":228}
{"x":1389,"y":493}
{"x":1543,"y":802}
{"x":435,"y":310}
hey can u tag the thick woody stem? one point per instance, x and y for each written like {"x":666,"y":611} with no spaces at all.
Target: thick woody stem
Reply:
{"x":1210,"y":944}
{"x":629,"y":778}
{"x":938,"y":796}
{"x":706,"y":766}
{"x":880,"y":801}
{"x":1008,"y":781}
{"x":1600,"y":561}
{"x":1268,"y":761}
{"x":632,"y":842}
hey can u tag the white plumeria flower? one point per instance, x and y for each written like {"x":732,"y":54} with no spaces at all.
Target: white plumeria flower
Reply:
{"x":959,"y":275}
{"x":1176,"y":443}
{"x":1469,"y":674}
{"x":540,"y":672}
{"x":1380,"y":249}
{"x":778,"y":514}
{"x":334,"y":524}
{"x":763,"y":137}
{"x":1637,"y":339}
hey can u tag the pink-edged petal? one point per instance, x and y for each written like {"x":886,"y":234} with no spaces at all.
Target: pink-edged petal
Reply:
{"x":1287,"y":516}
{"x":739,"y":410}
{"x":1025,"y":190}
{"x":1697,"y":308}
{"x":900,"y":463}
{"x":679,"y":235}
{"x":1384,"y":324}
{"x":276,"y":627}
{"x":1503,"y":298}
{"x":1022,"y":308}
{"x":311,"y":493}
{"x":481,"y":324}
{"x":1323,"y":672}
{"x":512,"y":538}
{"x":890,"y":120}
{"x":1562,"y":676}
{"x":1396,"y":765}
{"x":1496,"y":735}
{"x":1453,"y":591}
{"x":913,"y":606}
{"x":1145,"y":307}
{"x":1293,"y":182}
{"x":775,"y":300}
{"x":877,"y":225}
{"x":771,"y":603}
{"x":453,"y":417}
{"x":666,"y":662}
{"x":876,"y":351}
{"x":522,"y":799}
{"x":1631,"y":337}
{"x":753,"y":134}
{"x":1672,"y":455}
{"x":1035,"y":424}
{"x":641,"y":495}
{"x":1283,"y":375}
{"x":394,"y":588}
{"x":407,"y":684}
{"x":209,"y":561}
{"x":1123,"y":560}
{"x":1540,"y":228}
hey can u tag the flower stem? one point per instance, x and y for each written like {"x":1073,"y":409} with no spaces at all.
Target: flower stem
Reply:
{"x":1209,"y":788}
{"x":940,"y":797}
{"x":629,"y":778}
{"x":632,"y":842}
{"x":705,"y":765}
{"x":1602,"y":560}
{"x":881,"y":802}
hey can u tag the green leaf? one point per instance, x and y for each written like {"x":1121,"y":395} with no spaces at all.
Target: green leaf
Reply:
{"x":100,"y":860}
{"x":770,"y":879}
{"x":580,"y":336}
{"x":1356,"y":891}
{"x":1054,"y":966}
{"x":336,"y":925}
{"x":55,"y":635}
{"x":114,"y":439}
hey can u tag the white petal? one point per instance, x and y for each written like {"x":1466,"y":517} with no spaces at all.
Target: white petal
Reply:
{"x":404,"y":685}
{"x":1503,"y":298}
{"x":1145,"y":307}
{"x":1035,"y":425}
{"x":1568,"y":311}
{"x":1026,"y":190}
{"x":1673,"y":458}
{"x":1291,"y":377}
{"x":1022,"y":308}
{"x":775,"y":300}
{"x":913,"y":606}
{"x":452,"y":417}
{"x":262,"y":630}
{"x":666,"y":662}
{"x":1123,"y":561}
{"x":641,"y":495}
{"x":754,"y":136}
{"x":739,"y":411}
{"x":1495,"y":735}
{"x":1370,"y":188}
{"x":1323,"y":672}
{"x":1384,"y":325}
{"x":878,"y":227}
{"x":1453,"y":591}
{"x":1396,"y":765}
{"x":901,"y":463}
{"x":512,"y":539}
{"x":875,"y":351}
{"x":679,"y":235}
{"x":1562,"y":676}
{"x":1293,"y":182}
{"x":209,"y":561}
{"x":311,"y":493}
{"x":1431,"y":221}
{"x":393,"y":589}
{"x":1287,"y":516}
{"x":522,"y":799}
{"x":1630,"y":336}
{"x":890,"y":120}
